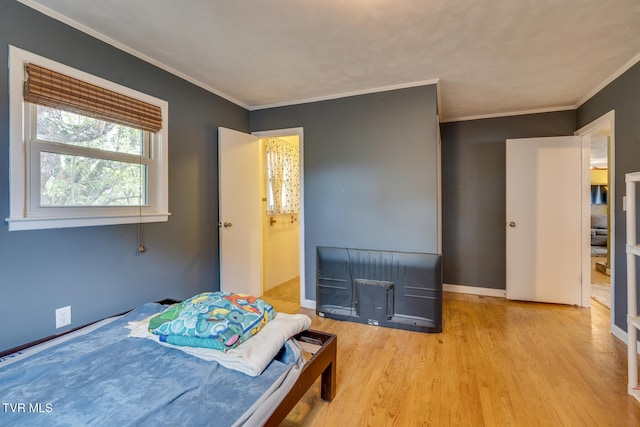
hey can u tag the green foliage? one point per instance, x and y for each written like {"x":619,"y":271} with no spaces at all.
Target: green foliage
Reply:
{"x":73,"y":180}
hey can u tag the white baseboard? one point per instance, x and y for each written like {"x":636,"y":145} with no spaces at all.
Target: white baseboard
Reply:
{"x":488,"y":292}
{"x":622,"y":336}
{"x":619,"y":333}
{"x":501,"y":293}
{"x":474,"y":290}
{"x":308,"y":303}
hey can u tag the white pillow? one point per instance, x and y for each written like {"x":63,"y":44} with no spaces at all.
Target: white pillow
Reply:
{"x":250,"y":357}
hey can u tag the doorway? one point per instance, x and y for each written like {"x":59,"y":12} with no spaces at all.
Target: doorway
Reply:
{"x":282,"y":227}
{"x":598,"y":138}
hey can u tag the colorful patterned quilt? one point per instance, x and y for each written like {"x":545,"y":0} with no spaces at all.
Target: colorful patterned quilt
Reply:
{"x":217,"y":320}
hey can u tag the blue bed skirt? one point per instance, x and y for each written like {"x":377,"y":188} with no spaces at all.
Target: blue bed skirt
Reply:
{"x":103,"y":377}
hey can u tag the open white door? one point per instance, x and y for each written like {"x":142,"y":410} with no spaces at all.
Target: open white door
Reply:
{"x":239,"y":212}
{"x":544,"y":219}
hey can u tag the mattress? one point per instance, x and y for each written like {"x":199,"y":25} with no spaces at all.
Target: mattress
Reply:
{"x":101,"y":376}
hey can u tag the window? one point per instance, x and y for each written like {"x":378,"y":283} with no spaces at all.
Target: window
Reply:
{"x":83,"y":151}
{"x":283,"y":176}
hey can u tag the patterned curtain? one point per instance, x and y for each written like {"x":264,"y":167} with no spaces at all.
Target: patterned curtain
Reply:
{"x":283,"y":176}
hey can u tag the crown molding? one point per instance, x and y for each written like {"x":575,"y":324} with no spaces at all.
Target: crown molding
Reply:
{"x":83,"y":28}
{"x":121,"y":46}
{"x":347,"y":94}
{"x":509,"y":114}
{"x":633,"y":61}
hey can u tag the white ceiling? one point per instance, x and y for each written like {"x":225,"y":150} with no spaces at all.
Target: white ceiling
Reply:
{"x":490,"y":57}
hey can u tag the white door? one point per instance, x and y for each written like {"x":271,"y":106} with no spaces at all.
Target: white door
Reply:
{"x":544,"y":214}
{"x":239,"y":212}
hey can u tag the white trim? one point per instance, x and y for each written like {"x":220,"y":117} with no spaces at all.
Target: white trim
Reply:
{"x":20,"y":216}
{"x":308,"y":303}
{"x":81,"y":27}
{"x":619,"y":333}
{"x":474,"y":290}
{"x":510,"y":114}
{"x":585,"y":220}
{"x":439,"y":184}
{"x":20,"y":57}
{"x":22,"y":224}
{"x":299,"y":131}
{"x":604,"y":120}
{"x":633,"y":61}
{"x":438,"y":101}
{"x":123,"y":47}
{"x":607,"y":118}
{"x":608,"y":80}
{"x":622,"y":336}
{"x":347,"y":94}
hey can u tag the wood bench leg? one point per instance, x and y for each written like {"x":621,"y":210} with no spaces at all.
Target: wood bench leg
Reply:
{"x":328,"y":383}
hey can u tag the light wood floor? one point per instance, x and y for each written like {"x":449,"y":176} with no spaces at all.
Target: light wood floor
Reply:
{"x":600,"y":284}
{"x":497,"y":363}
{"x":596,"y":276}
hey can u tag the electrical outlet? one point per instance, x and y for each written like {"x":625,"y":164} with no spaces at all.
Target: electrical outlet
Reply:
{"x":63,"y":316}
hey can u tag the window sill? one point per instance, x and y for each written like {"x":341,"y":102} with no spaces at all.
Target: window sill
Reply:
{"x":39,"y":223}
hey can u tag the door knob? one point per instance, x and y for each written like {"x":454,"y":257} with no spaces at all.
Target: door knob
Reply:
{"x":512,"y":224}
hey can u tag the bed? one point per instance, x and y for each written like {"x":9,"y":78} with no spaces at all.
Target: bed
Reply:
{"x":103,"y":374}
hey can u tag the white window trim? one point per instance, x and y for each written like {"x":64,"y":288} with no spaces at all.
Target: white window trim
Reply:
{"x":20,"y":217}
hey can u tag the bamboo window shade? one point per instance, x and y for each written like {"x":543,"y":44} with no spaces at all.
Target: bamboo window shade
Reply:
{"x":52,"y":89}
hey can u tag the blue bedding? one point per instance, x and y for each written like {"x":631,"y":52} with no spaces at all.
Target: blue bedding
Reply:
{"x":106,"y":378}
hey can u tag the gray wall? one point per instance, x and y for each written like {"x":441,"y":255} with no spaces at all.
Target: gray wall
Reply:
{"x":369,"y":171}
{"x":473,"y":192}
{"x":623,"y":96}
{"x":370,"y":182}
{"x":97,"y":270}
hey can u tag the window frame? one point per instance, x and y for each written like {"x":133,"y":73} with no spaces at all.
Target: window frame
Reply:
{"x":37,"y":146}
{"x":24,"y":162}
